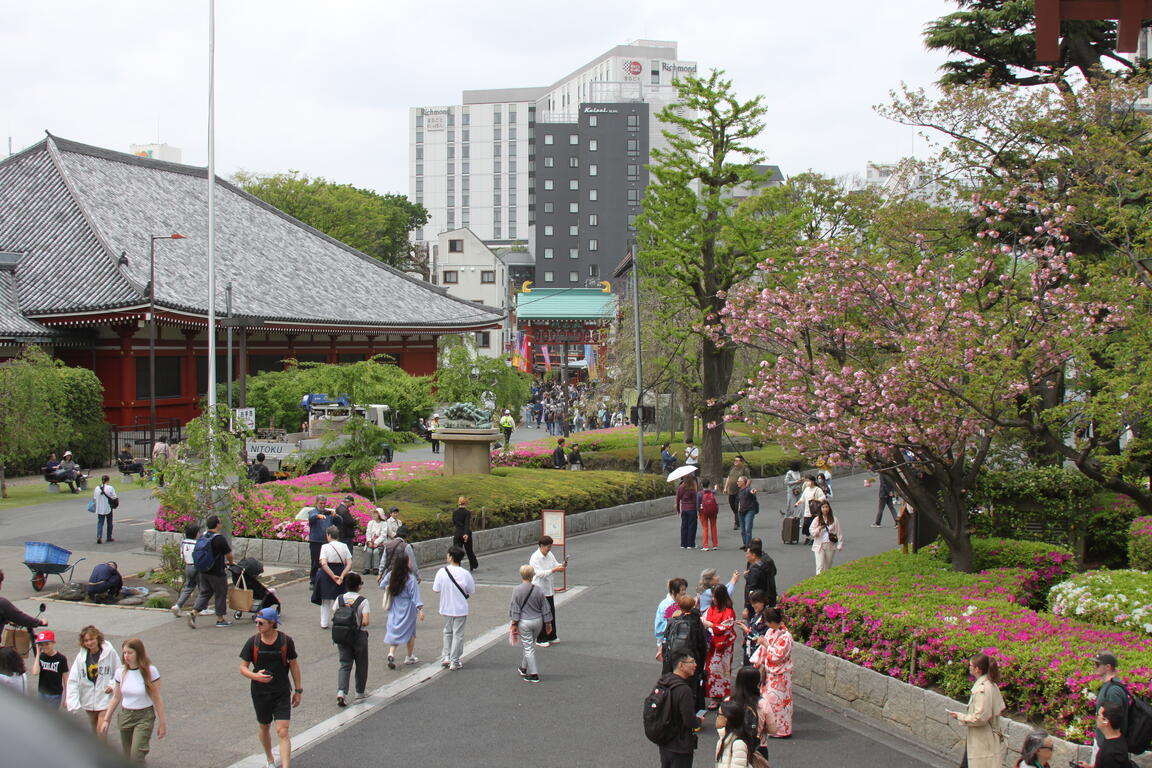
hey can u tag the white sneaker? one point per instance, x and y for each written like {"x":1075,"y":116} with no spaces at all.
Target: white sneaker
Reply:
{"x":875,"y":525}
{"x":175,"y":611}
{"x":411,"y":660}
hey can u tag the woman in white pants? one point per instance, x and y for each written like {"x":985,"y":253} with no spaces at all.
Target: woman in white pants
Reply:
{"x":529,"y":611}
{"x":827,"y":539}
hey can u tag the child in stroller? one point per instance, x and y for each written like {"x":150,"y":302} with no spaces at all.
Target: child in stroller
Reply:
{"x":249,"y":568}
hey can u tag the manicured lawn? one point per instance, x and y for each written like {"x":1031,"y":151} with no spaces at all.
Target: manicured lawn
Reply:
{"x":27,"y":494}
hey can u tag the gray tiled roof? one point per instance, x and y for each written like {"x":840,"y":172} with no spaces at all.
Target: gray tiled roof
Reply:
{"x":13,"y":325}
{"x":75,"y":208}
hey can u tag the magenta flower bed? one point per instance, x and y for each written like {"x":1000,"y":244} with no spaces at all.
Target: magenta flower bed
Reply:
{"x":268,"y":511}
{"x":911,"y":618}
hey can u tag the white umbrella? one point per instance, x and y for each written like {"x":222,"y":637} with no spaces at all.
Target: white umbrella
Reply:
{"x":680,"y":472}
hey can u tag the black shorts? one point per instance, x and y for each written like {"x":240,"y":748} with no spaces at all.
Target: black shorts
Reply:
{"x":271,"y":707}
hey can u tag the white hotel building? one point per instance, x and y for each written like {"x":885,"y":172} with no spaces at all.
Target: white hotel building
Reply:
{"x":473,"y":165}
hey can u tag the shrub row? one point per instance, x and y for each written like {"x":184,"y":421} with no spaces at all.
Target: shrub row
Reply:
{"x":1140,"y":543}
{"x":1112,"y":598}
{"x":912,"y":618}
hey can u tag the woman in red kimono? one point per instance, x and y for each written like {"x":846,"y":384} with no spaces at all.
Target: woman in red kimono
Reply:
{"x":721,"y":622}
{"x":774,"y":660}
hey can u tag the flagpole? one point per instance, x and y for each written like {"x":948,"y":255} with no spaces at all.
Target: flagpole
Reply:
{"x":212,"y":207}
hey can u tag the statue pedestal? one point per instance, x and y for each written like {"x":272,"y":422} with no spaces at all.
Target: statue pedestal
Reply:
{"x":467,"y":451}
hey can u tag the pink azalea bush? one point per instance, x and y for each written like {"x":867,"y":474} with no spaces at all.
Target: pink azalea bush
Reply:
{"x":911,"y":618}
{"x":538,"y":453}
{"x":268,"y":511}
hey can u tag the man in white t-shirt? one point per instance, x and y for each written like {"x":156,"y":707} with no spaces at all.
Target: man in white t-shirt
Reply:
{"x":545,"y":564}
{"x":691,"y":453}
{"x":454,"y":585}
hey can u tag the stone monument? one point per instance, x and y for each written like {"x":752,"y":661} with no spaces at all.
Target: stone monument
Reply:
{"x":467,"y":434}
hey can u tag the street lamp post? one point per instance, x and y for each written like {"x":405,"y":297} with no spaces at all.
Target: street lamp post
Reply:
{"x":152,"y":332}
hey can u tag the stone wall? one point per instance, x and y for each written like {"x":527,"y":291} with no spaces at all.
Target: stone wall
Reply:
{"x":912,"y":713}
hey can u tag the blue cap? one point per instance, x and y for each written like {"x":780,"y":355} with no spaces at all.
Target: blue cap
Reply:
{"x":268,"y":614}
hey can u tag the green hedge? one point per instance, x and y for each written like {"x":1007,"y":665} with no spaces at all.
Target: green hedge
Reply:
{"x":912,"y":618}
{"x":1140,"y":544}
{"x":1047,"y":564}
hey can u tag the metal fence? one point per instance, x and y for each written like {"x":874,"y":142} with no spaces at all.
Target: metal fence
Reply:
{"x":139,"y":438}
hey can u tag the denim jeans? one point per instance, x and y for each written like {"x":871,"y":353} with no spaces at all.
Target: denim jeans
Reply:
{"x":688,"y":528}
{"x":101,"y":522}
{"x":746,"y":519}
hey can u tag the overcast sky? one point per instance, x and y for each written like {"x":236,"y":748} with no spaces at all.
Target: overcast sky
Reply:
{"x":324,"y":87}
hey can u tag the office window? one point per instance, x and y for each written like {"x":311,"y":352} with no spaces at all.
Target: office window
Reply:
{"x":464,"y":167}
{"x":483,"y":339}
{"x":496,"y":198}
{"x":466,"y":151}
{"x":573,"y":276}
{"x":593,"y":220}
{"x":631,"y":221}
{"x":548,"y":277}
{"x":573,"y":162}
{"x":451,"y":153}
{"x":573,"y":253}
{"x":464,"y":218}
{"x":573,"y":229}
{"x":451,"y":277}
{"x":488,"y":276}
{"x":419,"y":154}
{"x":496,"y":115}
{"x":451,"y":119}
{"x":549,"y":207}
{"x":451,"y":184}
{"x":655,"y":72}
{"x":512,"y":148}
{"x":593,"y":145}
{"x":419,"y":169}
{"x":496,"y":133}
{"x":573,"y":207}
{"x":464,"y":201}
{"x":633,"y":172}
{"x":548,"y":253}
{"x":633,"y":146}
{"x":464,"y":183}
{"x":496,"y":183}
{"x":465,"y":134}
{"x":573,"y":138}
{"x":592,"y":194}
{"x":592,"y":121}
{"x":548,"y":162}
{"x":593,"y":245}
{"x":573,"y":184}
{"x":593,"y":170}
{"x":512,"y":230}
{"x":451,"y":216}
{"x":633,"y":196}
{"x":465,"y":119}
{"x":419,"y":137}
{"x":548,"y":184}
{"x":511,"y":114}
{"x":419,"y":124}
{"x":496,"y":232}
{"x":547,"y":138}
{"x":511,"y":165}
{"x":593,"y":270}
{"x":496,"y":165}
{"x":633,"y":122}
{"x":419,"y":185}
{"x":548,"y":230}
{"x":511,"y":133}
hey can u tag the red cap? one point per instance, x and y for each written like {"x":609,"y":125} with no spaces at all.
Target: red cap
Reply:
{"x":46,"y":636}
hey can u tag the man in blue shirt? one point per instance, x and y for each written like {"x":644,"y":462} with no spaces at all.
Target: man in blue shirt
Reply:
{"x":319,"y":520}
{"x":105,"y":582}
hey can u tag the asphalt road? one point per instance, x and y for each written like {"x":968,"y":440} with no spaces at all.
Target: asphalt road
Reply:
{"x":587,"y":710}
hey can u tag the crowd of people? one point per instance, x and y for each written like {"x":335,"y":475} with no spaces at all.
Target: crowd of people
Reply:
{"x":553,"y":407}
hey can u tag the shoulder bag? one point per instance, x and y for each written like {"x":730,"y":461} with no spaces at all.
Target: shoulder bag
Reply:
{"x":448,"y":573}
{"x":113,"y":503}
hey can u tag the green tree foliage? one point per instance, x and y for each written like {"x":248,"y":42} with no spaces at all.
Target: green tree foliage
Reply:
{"x":357,"y":449}
{"x":276,"y":395}
{"x":690,"y":237}
{"x":85,"y":409}
{"x":456,"y":383}
{"x":34,"y":418}
{"x":376,"y":224}
{"x":208,"y":464}
{"x":995,"y":42}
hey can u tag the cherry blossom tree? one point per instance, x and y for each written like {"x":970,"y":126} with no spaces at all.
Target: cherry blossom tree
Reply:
{"x":912,"y":365}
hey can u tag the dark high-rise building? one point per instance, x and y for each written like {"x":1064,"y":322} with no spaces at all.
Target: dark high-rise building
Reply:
{"x":590,"y":177}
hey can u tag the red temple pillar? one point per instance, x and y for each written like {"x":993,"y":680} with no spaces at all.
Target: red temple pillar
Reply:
{"x":333,"y":357}
{"x":188,"y":377}
{"x":127,"y":374}
{"x":291,"y":339}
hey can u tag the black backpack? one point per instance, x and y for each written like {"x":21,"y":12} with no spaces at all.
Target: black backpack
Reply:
{"x":346,"y":621}
{"x":659,"y":718}
{"x":678,"y":635}
{"x":1138,"y":727}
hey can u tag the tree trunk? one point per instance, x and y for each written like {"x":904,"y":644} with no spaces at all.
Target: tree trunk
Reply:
{"x":716,"y":372}
{"x":944,"y":504}
{"x":3,"y":483}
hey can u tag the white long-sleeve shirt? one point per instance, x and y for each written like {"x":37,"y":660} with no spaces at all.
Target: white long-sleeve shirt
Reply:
{"x":545,"y":566}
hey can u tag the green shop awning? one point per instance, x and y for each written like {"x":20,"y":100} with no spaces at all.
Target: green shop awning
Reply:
{"x":570,"y":304}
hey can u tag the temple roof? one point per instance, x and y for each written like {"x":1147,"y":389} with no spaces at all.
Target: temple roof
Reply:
{"x":83,"y":218}
{"x":565,"y":304}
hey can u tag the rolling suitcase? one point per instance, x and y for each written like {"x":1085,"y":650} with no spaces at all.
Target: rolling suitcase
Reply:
{"x":790,"y":530}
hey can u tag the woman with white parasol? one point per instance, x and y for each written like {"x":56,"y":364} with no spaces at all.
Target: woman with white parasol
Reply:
{"x":687,"y":503}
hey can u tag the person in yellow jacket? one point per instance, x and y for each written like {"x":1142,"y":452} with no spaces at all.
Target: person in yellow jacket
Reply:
{"x":507,"y":424}
{"x":985,"y":743}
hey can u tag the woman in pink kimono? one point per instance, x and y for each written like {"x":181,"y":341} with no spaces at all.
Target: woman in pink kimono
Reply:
{"x":773,"y":658}
{"x":721,"y":623}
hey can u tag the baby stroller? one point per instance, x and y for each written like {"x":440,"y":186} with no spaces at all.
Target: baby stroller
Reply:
{"x":245,"y":575}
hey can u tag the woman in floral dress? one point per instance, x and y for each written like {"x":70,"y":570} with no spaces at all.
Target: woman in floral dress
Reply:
{"x":774,"y":660}
{"x":721,"y":622}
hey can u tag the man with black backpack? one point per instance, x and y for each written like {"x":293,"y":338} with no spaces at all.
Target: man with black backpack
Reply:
{"x":1135,"y":715}
{"x":349,"y":633}
{"x":685,"y":633}
{"x":670,"y":719}
{"x":209,"y":554}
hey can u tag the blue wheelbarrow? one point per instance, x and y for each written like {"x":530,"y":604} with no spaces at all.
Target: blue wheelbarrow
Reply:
{"x":43,"y":559}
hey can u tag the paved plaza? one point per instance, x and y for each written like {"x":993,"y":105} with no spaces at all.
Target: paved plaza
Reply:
{"x":585,"y":713}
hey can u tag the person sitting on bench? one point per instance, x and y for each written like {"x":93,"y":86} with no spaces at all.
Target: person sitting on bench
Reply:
{"x":70,"y":473}
{"x":105,"y":582}
{"x":52,"y":471}
{"x":129,"y":464}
